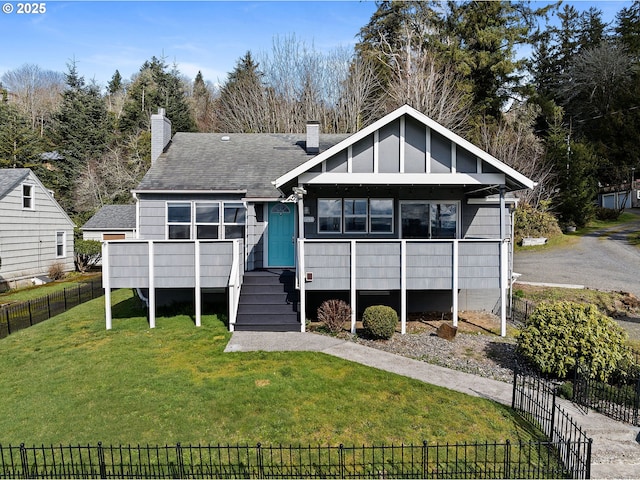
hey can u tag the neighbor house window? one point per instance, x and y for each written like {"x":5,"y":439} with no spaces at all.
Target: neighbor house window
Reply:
{"x":429,"y":219}
{"x":207,"y":220}
{"x":355,"y":215}
{"x":179,"y":220}
{"x":330,"y":215}
{"x":234,"y":220}
{"x":27,"y":197}
{"x":60,"y":244}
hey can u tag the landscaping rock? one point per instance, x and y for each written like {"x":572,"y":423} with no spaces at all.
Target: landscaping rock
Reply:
{"x":446,"y":331}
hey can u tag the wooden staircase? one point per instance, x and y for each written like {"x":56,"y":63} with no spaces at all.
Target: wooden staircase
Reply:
{"x":269,"y":302}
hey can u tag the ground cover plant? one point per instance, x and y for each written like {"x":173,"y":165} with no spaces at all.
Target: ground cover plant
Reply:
{"x":68,"y":380}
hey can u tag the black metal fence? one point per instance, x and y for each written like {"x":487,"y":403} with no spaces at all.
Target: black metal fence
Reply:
{"x":536,"y":400}
{"x":618,"y":397}
{"x":477,"y":461}
{"x":17,"y":316}
{"x":520,"y":310}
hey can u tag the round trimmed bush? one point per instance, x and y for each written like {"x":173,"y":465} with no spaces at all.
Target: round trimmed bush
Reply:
{"x":559,"y":335}
{"x":380,"y":321}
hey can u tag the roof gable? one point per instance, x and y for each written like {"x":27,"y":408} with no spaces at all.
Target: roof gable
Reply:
{"x":406,"y":146}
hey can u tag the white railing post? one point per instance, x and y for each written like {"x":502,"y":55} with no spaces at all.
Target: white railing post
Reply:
{"x":302,"y":285}
{"x":353,"y":294}
{"x":504,"y":273}
{"x":152,"y":287}
{"x":106,"y":284}
{"x":198,"y":284}
{"x":454,"y":282}
{"x":234,"y":284}
{"x":403,"y":287}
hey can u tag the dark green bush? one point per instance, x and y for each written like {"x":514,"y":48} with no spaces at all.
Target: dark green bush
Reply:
{"x":559,"y":335}
{"x":380,"y":321}
{"x":334,"y":314}
{"x":607,"y":214}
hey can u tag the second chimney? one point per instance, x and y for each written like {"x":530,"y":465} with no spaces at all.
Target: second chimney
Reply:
{"x":313,"y":137}
{"x":160,"y":134}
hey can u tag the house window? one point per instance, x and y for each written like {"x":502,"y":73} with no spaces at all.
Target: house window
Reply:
{"x":355,"y":215}
{"x":234,"y":220}
{"x":381,"y":215}
{"x":60,"y":244}
{"x":359,"y":215}
{"x":27,"y":197}
{"x":330,"y":215}
{"x":207,"y":220}
{"x":179,"y":220}
{"x":429,"y":219}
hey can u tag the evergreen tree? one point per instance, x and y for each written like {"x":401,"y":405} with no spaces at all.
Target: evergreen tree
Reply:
{"x":627,"y":28}
{"x":20,"y":145}
{"x":81,"y":131}
{"x":154,"y":87}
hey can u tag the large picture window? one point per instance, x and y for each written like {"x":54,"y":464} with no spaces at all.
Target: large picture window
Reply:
{"x":355,"y":215}
{"x":203,"y":220}
{"x":429,"y":219}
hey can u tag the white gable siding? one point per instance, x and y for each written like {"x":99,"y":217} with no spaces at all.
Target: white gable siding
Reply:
{"x":28,"y":236}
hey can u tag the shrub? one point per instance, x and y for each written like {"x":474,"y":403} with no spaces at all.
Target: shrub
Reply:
{"x":530,"y":222}
{"x":87,"y":254}
{"x":559,"y":335}
{"x":607,"y":214}
{"x":380,"y":321}
{"x":56,"y":271}
{"x":334,"y":314}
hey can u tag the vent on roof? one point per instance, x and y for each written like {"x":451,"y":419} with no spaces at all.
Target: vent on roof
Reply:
{"x":226,"y":138}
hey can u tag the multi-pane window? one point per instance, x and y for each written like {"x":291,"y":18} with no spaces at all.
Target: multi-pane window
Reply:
{"x":234,"y":220}
{"x":179,"y":220}
{"x":429,"y":219}
{"x":207,"y":220}
{"x":381,"y":215}
{"x":27,"y":197}
{"x":330,"y":215}
{"x":60,"y":244}
{"x":355,"y":215}
{"x":203,"y":220}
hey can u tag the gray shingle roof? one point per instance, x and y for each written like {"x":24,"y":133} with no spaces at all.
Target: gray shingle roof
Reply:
{"x":10,"y":177}
{"x":111,"y":217}
{"x":246,"y":161}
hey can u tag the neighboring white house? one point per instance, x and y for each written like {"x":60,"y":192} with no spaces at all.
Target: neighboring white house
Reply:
{"x":35,"y":232}
{"x":111,"y":222}
{"x":404,"y":212}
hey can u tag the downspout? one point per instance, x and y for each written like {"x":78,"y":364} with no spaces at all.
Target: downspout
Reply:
{"x":504,"y":267}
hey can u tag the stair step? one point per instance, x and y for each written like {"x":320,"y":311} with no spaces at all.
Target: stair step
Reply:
{"x":267,"y":289}
{"x":267,"y":328}
{"x":267,"y":299}
{"x":260,"y":310}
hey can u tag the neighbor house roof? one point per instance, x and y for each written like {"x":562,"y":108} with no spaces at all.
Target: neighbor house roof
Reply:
{"x":113,"y":217}
{"x":10,"y":178}
{"x":246,"y":162}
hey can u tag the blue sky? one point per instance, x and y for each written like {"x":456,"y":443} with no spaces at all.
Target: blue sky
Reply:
{"x":210,"y":36}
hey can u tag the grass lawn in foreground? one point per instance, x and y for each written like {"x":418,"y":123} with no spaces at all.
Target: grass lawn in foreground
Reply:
{"x":68,"y":380}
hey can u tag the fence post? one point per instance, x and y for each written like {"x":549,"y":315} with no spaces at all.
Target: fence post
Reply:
{"x":636,"y":402}
{"x":341,"y":461}
{"x":588,"y":462}
{"x":180,"y":460}
{"x":259,"y":459}
{"x":48,"y":306}
{"x":64,"y":294}
{"x":101,"y":462}
{"x":25,"y":461}
{"x":425,"y":463}
{"x":553,"y":416}
{"x":515,"y":382}
{"x":29,"y":310}
{"x":8,"y":322}
{"x":507,"y":459}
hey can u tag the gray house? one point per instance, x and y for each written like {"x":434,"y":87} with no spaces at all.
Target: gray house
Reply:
{"x":35,"y":232}
{"x":111,"y":222}
{"x":403,"y":212}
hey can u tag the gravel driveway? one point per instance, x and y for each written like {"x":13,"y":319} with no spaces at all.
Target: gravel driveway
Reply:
{"x":602,"y":260}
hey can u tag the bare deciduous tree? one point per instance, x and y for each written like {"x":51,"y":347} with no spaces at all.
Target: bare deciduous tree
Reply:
{"x":513,"y":141}
{"x":36,"y":92}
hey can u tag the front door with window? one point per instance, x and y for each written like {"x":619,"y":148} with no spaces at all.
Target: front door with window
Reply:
{"x":281,"y":235}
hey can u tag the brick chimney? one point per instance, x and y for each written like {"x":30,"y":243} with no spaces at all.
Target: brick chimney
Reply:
{"x":313,"y":137}
{"x":160,"y":134}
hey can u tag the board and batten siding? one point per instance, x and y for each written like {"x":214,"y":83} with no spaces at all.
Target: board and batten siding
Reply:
{"x":28,"y":236}
{"x":174,"y":264}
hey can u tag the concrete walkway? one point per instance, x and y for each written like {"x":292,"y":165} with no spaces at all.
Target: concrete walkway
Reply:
{"x":616,"y":447}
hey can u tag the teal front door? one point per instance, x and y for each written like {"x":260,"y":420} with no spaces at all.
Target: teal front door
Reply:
{"x":281,"y":235}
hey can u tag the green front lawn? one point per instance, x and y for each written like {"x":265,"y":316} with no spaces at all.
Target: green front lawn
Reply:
{"x":68,"y":380}
{"x":30,"y":293}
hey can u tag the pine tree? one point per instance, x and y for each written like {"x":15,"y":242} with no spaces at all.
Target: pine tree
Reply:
{"x":20,"y":145}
